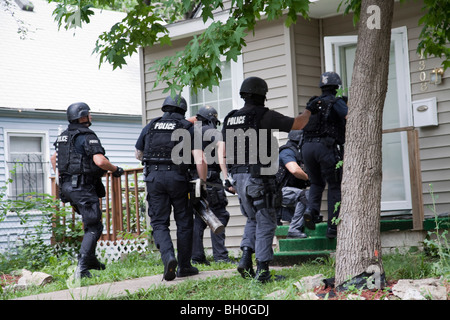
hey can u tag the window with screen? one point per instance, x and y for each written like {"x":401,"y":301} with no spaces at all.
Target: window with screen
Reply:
{"x":26,"y":165}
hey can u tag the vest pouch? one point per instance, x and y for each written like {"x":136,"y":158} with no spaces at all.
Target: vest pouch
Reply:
{"x":212,"y":196}
{"x":255,"y":171}
{"x":100,"y":188}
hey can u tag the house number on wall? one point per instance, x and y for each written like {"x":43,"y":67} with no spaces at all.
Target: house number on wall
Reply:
{"x":423,"y":74}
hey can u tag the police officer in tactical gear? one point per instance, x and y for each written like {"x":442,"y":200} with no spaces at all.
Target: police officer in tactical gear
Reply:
{"x":81,"y":162}
{"x":168,"y":184}
{"x":216,"y":197}
{"x":258,"y":194}
{"x":323,"y":148}
{"x":293,"y":182}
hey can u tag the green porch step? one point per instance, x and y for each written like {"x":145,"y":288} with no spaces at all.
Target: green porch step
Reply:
{"x":298,"y":250}
{"x":316,"y":245}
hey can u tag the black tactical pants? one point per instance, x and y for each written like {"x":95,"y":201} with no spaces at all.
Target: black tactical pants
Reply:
{"x":167,"y":190}
{"x":84,"y":198}
{"x":320,"y":160}
{"x":217,"y":201}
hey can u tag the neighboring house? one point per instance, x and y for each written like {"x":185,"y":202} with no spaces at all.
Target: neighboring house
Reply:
{"x":291,"y":61}
{"x":40,"y":76}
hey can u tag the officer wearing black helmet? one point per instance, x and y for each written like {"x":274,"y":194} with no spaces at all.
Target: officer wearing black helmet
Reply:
{"x":81,"y":162}
{"x":255,"y":184}
{"x":323,"y":148}
{"x":217,"y":200}
{"x":168,"y":183}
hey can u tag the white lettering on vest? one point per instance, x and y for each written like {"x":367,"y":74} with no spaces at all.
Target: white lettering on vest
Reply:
{"x":62,"y":139}
{"x":236,"y":120}
{"x":165,"y":126}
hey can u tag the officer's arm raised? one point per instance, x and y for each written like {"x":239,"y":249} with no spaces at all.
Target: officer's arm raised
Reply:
{"x":301,"y":120}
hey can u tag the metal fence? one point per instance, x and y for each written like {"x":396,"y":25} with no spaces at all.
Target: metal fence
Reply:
{"x":27,"y":175}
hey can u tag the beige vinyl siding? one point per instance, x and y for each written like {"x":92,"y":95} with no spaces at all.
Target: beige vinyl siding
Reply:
{"x":154,"y":97}
{"x":434,"y":141}
{"x":268,"y":56}
{"x":307,"y":59}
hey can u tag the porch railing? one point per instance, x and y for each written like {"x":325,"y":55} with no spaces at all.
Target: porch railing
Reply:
{"x":123,"y":206}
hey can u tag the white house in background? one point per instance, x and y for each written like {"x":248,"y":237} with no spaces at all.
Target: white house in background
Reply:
{"x":40,"y":76}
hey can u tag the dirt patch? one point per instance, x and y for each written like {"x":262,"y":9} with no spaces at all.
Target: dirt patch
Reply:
{"x":329,"y":293}
{"x":7,"y":279}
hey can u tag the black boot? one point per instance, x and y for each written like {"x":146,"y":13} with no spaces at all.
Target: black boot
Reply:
{"x":187,"y":271}
{"x":263,"y":274}
{"x":82,"y":270}
{"x":262,"y":271}
{"x":245,"y":266}
{"x":170,"y":266}
{"x":94,"y":264}
{"x":308,"y":216}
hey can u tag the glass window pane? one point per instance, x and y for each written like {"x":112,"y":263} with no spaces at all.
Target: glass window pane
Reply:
{"x":194,"y":109}
{"x":25,"y":144}
{"x":225,"y":90}
{"x":211,"y":96}
{"x":226,"y":70}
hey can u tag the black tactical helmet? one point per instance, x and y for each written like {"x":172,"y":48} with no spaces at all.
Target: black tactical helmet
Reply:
{"x":209,"y":113}
{"x":77,"y":110}
{"x":254,"y":85}
{"x":178,"y":102}
{"x":329,"y":79}
{"x":295,"y":135}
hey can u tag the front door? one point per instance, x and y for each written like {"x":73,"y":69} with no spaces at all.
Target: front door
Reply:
{"x":339,"y":57}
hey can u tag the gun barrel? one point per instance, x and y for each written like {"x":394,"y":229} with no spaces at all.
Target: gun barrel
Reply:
{"x":204,"y":212}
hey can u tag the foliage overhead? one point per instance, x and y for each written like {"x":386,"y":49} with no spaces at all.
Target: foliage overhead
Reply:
{"x":198,"y":65}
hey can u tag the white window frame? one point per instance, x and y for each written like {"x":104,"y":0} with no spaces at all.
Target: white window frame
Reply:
{"x":400,"y":39}
{"x":237,"y":76}
{"x":45,"y":153}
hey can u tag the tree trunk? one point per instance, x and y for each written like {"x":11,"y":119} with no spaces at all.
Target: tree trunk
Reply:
{"x":359,"y":244}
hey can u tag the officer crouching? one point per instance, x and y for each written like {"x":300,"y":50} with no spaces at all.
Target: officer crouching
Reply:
{"x":81,"y":162}
{"x":168,"y":185}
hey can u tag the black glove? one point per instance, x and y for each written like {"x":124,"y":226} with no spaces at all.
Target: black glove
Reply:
{"x":314,"y":105}
{"x":118,"y":172}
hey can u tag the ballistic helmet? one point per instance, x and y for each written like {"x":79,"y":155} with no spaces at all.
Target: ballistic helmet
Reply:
{"x":77,"y":110}
{"x":209,"y":113}
{"x":329,"y":79}
{"x":254,"y":85}
{"x":295,"y":135}
{"x":178,"y":102}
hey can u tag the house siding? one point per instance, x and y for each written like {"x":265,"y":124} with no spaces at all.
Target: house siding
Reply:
{"x":434,"y":142}
{"x":267,"y":56}
{"x":117,"y":137}
{"x":291,"y":61}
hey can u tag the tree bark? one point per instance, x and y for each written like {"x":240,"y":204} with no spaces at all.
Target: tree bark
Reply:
{"x":358,"y":239}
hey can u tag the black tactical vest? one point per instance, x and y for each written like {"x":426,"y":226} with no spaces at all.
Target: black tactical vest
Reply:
{"x":326,"y":123}
{"x":158,"y":139}
{"x":243,"y":126}
{"x":71,"y":162}
{"x":284,"y":177}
